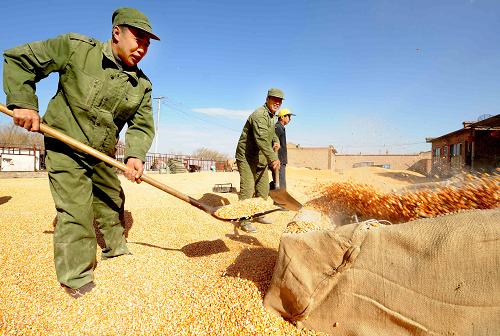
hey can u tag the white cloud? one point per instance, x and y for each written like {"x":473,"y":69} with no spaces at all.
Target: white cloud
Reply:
{"x":223,"y":112}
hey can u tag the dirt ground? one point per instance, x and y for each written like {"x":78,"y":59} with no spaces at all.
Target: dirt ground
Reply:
{"x":189,"y":273}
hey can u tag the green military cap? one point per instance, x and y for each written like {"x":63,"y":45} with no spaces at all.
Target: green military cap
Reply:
{"x":274,"y":92}
{"x":134,"y":18}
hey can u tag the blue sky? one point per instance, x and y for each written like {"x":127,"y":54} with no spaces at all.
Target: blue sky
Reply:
{"x":363,"y":76}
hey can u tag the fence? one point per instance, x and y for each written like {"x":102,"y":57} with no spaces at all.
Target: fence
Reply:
{"x":157,"y":161}
{"x":15,"y":158}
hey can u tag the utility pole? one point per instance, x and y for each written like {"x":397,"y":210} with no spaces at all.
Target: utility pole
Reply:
{"x":157,"y":134}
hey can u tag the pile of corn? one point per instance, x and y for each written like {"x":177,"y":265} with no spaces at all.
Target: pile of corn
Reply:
{"x":309,"y":220}
{"x":474,"y":192}
{"x":301,"y":227}
{"x":245,"y":208}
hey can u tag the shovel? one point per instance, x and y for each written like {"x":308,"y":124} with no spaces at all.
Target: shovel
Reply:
{"x":280,"y":196}
{"x":117,"y":164}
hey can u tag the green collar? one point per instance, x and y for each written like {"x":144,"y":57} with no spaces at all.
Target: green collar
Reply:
{"x":269,"y":111}
{"x":108,"y":52}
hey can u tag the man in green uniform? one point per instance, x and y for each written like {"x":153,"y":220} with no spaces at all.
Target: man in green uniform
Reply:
{"x":256,"y":151}
{"x":100,"y":90}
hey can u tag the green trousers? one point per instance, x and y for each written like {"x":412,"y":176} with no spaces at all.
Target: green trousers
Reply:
{"x":84,"y":189}
{"x":254,"y":180}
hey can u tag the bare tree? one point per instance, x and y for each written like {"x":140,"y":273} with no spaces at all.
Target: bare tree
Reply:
{"x":205,"y":153}
{"x":12,"y":135}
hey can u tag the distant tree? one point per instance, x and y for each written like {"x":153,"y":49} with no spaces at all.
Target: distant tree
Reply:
{"x":205,"y":153}
{"x":12,"y":135}
{"x":333,"y":149}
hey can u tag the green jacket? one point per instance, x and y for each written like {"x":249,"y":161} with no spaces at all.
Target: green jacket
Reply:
{"x":256,"y":141}
{"x":95,"y":97}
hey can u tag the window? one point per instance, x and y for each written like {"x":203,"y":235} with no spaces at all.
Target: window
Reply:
{"x":445,"y":151}
{"x":455,"y":149}
{"x":437,"y":152}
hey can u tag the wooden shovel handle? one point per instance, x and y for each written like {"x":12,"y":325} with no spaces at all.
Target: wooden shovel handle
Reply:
{"x":276,"y":177}
{"x":276,"y":174}
{"x":115,"y":163}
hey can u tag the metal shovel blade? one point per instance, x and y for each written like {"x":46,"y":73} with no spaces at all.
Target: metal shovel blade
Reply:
{"x":280,"y":196}
{"x":283,"y":199}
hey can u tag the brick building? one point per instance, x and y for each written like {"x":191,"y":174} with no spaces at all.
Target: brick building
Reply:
{"x":476,"y":146}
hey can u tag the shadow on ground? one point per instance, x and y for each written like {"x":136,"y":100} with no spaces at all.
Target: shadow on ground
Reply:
{"x":255,"y":264}
{"x":198,"y":249}
{"x":5,"y":199}
{"x":126,"y":219}
{"x":213,"y":200}
{"x":245,"y":239}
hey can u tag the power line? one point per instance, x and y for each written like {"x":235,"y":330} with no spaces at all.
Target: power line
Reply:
{"x":188,"y":112}
{"x":193,"y":115}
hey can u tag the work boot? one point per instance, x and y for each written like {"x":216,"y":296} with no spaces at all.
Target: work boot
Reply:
{"x":104,"y":257}
{"x":108,"y":253}
{"x":79,"y":292}
{"x":247,"y":226}
{"x":262,"y":220}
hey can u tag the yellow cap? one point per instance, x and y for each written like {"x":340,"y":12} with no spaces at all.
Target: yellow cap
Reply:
{"x":283,"y":112}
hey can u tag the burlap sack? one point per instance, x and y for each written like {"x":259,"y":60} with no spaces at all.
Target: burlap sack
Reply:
{"x":436,"y":276}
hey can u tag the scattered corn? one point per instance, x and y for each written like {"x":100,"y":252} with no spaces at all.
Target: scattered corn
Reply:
{"x":189,"y":273}
{"x":473,"y":192}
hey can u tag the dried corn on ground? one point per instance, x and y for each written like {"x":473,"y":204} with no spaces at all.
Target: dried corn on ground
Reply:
{"x":472,"y":192}
{"x":189,"y":274}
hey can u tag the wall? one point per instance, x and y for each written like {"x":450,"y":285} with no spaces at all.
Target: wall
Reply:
{"x":420,"y":163}
{"x":20,"y":159}
{"x":324,"y":158}
{"x":17,"y":162}
{"x":312,"y":157}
